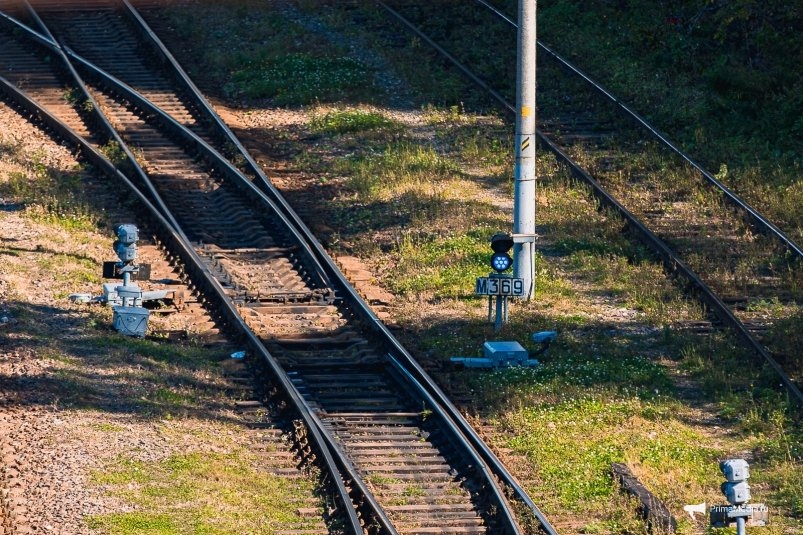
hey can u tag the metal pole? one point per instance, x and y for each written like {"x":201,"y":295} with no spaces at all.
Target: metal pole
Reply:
{"x":524,"y":171}
{"x":126,"y":284}
{"x":490,"y":308}
{"x":740,"y":526}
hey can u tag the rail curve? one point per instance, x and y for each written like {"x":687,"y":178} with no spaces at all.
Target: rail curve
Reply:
{"x":355,"y":387}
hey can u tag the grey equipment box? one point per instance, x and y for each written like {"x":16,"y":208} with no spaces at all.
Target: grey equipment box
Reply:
{"x":131,"y":321}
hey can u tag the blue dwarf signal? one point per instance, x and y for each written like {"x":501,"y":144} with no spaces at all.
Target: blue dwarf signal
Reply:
{"x":501,"y":262}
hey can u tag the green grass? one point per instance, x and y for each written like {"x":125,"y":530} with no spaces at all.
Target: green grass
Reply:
{"x":412,"y":59}
{"x":424,"y":187}
{"x":701,"y":63}
{"x":602,"y":394}
{"x":477,"y":141}
{"x":424,"y":210}
{"x":341,"y":121}
{"x":598,"y":397}
{"x":405,"y":184}
{"x":400,"y":165}
{"x":210,"y":493}
{"x":156,"y":378}
{"x":52,"y":196}
{"x":171,"y":397}
{"x":445,"y":265}
{"x":257,"y":54}
{"x":124,"y":471}
{"x":382,"y":479}
{"x":721,"y":80}
{"x":594,"y":401}
{"x":613,"y":367}
{"x":299,"y":78}
{"x":139,"y":523}
{"x":573,"y":443}
{"x":108,"y":427}
{"x":171,"y":389}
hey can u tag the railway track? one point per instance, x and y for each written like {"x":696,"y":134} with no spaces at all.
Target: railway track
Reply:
{"x":401,"y":459}
{"x":743,"y":267}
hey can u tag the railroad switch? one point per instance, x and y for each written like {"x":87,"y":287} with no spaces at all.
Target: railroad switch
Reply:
{"x":130,"y":317}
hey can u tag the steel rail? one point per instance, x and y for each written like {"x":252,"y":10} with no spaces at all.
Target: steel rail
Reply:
{"x":160,"y":212}
{"x":49,"y":41}
{"x":732,"y":197}
{"x":442,"y":413}
{"x":466,"y":71}
{"x":222,"y":164}
{"x":670,"y":259}
{"x":419,"y":372}
{"x":194,"y":93}
{"x":191,"y":137}
{"x":191,"y":259}
{"x":674,"y":263}
{"x":489,"y":456}
{"x":202,"y":103}
{"x":275,"y":202}
{"x":231,"y":171}
{"x":332,"y":271}
{"x":362,"y":308}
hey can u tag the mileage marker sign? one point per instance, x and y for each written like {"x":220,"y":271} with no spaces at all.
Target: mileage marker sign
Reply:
{"x":508,"y":286}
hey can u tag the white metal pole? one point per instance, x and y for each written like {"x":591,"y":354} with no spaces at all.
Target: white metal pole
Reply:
{"x":524,"y":170}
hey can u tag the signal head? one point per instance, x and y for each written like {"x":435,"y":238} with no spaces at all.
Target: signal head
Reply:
{"x":501,"y":242}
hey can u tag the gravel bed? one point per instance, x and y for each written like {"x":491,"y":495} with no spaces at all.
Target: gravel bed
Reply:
{"x":64,"y":416}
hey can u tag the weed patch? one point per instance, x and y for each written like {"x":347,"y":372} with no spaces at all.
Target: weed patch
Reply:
{"x":52,"y":196}
{"x":349,"y":121}
{"x":423,"y":217}
{"x":181,"y":491}
{"x":135,"y":522}
{"x":448,"y":264}
{"x":572,"y":444}
{"x":297,"y":79}
{"x":399,"y":166}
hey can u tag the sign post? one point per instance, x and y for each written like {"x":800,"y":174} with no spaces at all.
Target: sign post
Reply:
{"x":499,"y":287}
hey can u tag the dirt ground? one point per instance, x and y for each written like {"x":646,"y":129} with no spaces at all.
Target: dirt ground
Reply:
{"x":67,"y":406}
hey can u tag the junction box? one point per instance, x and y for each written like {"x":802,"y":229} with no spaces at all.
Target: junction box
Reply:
{"x":499,"y":354}
{"x":130,"y":320}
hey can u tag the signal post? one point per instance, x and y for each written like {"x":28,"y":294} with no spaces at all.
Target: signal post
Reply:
{"x":524,"y":169}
